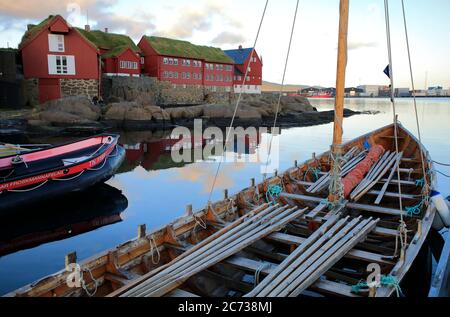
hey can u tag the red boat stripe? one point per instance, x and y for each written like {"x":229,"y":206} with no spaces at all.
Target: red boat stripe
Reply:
{"x":6,"y":162}
{"x":59,"y":173}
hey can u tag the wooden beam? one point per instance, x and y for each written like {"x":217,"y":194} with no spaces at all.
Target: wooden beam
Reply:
{"x":376,"y":209}
{"x":382,"y":210}
{"x":390,"y":194}
{"x":180,"y":293}
{"x":333,"y":288}
{"x":250,"y":265}
{"x":354,"y":253}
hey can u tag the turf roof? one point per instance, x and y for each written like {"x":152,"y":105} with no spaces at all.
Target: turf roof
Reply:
{"x":171,"y":47}
{"x":116,"y":43}
{"x":34,"y":29}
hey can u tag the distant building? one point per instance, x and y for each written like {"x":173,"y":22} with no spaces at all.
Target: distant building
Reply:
{"x":243,"y":59}
{"x":402,"y":92}
{"x":59,"y":60}
{"x":434,"y":91}
{"x":184,"y":63}
{"x":370,"y":90}
{"x":419,"y":93}
{"x":385,"y":91}
{"x":353,"y":92}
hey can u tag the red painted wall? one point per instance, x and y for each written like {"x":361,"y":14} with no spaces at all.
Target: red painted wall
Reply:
{"x":155,"y":67}
{"x":35,"y":62}
{"x":112,"y":64}
{"x":255,"y":72}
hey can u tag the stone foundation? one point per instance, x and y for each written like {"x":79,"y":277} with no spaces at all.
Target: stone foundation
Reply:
{"x":150,"y":91}
{"x":30,"y":88}
{"x":79,"y":87}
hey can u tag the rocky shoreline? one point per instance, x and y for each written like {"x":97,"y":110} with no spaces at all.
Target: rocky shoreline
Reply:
{"x":78,"y":116}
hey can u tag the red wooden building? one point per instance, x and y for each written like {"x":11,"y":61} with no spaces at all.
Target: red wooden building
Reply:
{"x":244,"y":58}
{"x":64,"y":61}
{"x":58,"y":57}
{"x":120,"y":55}
{"x":184,"y":63}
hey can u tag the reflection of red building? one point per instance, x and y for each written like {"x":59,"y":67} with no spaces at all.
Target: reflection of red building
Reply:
{"x":157,"y":155}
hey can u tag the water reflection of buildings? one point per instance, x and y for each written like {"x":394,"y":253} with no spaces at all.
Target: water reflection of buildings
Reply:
{"x":157,"y":154}
{"x":61,"y":218}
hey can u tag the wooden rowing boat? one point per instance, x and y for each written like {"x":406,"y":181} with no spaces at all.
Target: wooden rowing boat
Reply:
{"x":292,"y":235}
{"x":127,"y":266}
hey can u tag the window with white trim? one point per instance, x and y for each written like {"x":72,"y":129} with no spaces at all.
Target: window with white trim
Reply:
{"x":128,"y":65}
{"x":61,"y":65}
{"x":56,"y":43}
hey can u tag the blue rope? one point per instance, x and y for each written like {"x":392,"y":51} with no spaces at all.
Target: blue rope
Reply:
{"x":315,"y":172}
{"x":385,"y":281}
{"x":273,"y":192}
{"x":420,"y":182}
{"x":416,"y":209}
{"x":367,"y":145}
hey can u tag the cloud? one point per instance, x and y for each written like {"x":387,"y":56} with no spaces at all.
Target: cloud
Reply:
{"x":355,"y":45}
{"x":189,"y":20}
{"x":18,"y":13}
{"x":228,"y":38}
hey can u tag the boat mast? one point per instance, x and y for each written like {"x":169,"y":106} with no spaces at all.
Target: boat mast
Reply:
{"x":336,"y":148}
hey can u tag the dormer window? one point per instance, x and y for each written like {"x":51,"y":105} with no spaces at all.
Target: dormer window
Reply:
{"x":56,"y":43}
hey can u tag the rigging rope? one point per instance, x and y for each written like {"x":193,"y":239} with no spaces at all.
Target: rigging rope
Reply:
{"x":281,"y":88}
{"x":237,"y":105}
{"x":439,"y":163}
{"x":391,"y":76}
{"x":422,"y":155}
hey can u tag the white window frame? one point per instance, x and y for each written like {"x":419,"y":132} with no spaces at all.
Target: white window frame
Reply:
{"x":61,"y":65}
{"x":165,"y":60}
{"x":56,"y":43}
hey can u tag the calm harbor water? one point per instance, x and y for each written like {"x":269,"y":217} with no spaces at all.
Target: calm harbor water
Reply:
{"x":154,"y":190}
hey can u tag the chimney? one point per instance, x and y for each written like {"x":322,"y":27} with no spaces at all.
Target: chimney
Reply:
{"x":87,"y":28}
{"x":106,"y":30}
{"x":240,"y":47}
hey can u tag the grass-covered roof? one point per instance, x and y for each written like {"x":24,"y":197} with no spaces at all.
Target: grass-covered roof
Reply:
{"x":116,"y":43}
{"x":171,"y":47}
{"x":34,"y":29}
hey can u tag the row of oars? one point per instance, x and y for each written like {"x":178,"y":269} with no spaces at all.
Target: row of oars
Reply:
{"x":316,"y":255}
{"x":352,"y":157}
{"x":378,"y":170}
{"x":226,"y":243}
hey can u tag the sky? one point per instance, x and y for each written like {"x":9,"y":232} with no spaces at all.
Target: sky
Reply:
{"x":229,"y":23}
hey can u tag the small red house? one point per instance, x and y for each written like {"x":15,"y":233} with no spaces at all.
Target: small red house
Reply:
{"x":120,"y":56}
{"x":184,"y":63}
{"x":244,"y":58}
{"x":59,"y":60}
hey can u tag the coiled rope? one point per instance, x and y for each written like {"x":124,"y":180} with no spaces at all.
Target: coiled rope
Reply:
{"x":84,"y":286}
{"x":154,"y":246}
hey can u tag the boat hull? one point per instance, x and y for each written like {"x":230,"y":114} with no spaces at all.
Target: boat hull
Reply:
{"x":9,"y":201}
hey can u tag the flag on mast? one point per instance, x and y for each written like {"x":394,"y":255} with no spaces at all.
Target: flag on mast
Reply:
{"x":387,"y":71}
